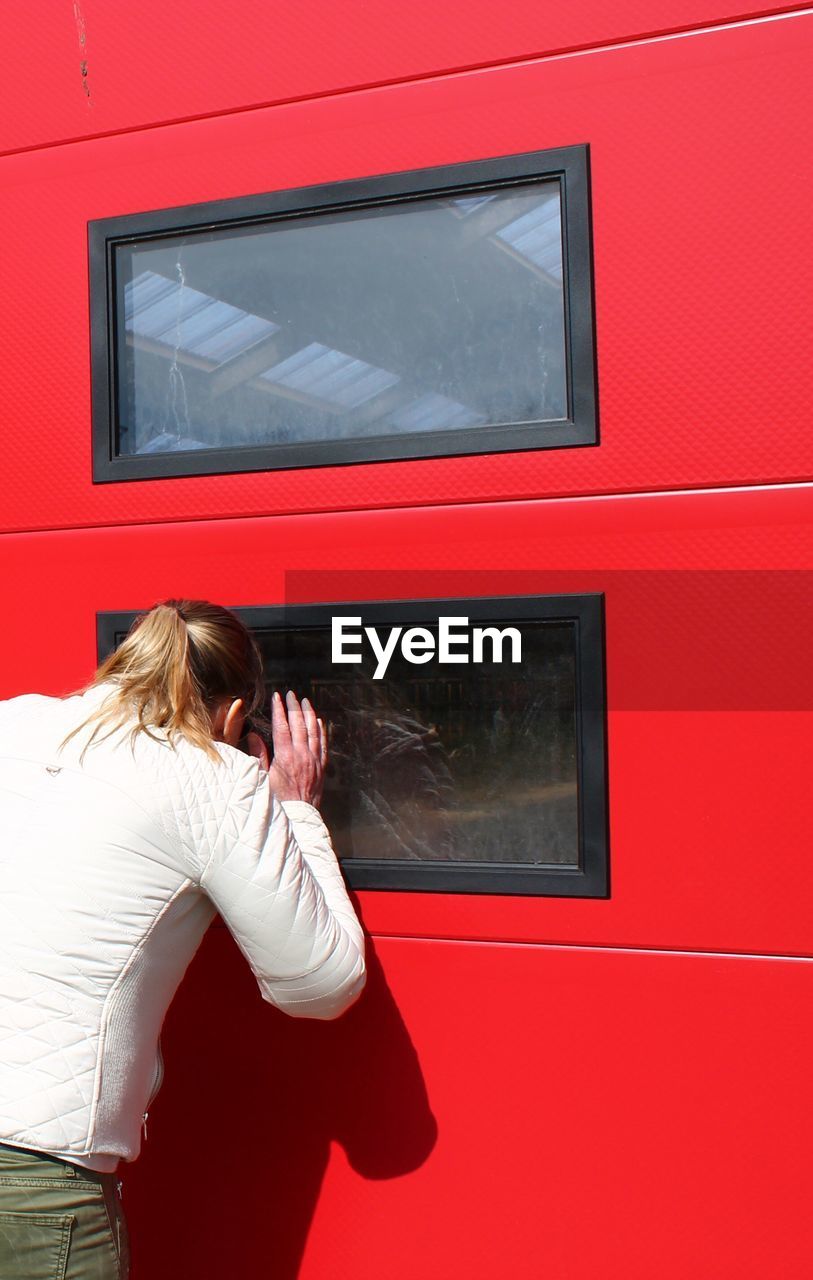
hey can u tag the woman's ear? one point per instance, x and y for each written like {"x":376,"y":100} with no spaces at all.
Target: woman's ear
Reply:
{"x":233,"y":722}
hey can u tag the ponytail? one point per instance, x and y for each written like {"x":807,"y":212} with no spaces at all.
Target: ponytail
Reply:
{"x":174,"y":663}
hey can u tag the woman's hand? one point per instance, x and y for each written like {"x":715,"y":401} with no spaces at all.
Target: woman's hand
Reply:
{"x":300,"y":750}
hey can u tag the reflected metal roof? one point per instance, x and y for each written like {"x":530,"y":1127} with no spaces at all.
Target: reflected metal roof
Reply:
{"x":537,"y":235}
{"x":174,"y":314}
{"x":327,"y":374}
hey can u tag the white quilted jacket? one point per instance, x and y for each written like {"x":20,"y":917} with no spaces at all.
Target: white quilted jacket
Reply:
{"x":110,"y":873}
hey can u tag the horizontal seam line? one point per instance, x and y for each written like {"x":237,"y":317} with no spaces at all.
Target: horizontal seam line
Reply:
{"x":757,"y":486}
{"x":629,"y":41}
{"x":622,"y":948}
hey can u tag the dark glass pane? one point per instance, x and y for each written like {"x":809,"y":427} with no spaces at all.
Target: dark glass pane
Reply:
{"x":434,"y":762}
{"x":429,"y":314}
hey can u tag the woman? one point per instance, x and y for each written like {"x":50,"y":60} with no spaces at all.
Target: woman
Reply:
{"x":128,"y":817}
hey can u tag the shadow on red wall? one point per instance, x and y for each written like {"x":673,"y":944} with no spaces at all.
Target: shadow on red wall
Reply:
{"x":239,"y":1138}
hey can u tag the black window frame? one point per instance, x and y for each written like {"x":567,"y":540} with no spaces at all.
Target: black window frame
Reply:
{"x":590,"y":877}
{"x":568,"y":165}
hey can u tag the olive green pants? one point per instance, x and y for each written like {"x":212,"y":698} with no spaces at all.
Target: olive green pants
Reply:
{"x":59,"y":1221}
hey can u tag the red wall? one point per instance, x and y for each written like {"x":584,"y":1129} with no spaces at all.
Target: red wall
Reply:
{"x":530,"y":1087}
{"x":96,"y":68}
{"x":700,"y":218}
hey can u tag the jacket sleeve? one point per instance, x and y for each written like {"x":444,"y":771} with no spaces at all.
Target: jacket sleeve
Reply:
{"x":274,"y":878}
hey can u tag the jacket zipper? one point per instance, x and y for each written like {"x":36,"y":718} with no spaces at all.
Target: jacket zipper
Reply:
{"x":158,"y":1079}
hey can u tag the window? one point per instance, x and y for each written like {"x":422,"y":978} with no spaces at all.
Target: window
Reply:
{"x":467,"y":752}
{"x":443,"y":311}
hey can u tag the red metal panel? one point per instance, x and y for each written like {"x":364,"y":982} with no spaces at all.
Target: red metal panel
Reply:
{"x":92,"y":68}
{"x":703,"y":317}
{"x":486,"y":1111}
{"x":558,"y":1110}
{"x":710,"y":821}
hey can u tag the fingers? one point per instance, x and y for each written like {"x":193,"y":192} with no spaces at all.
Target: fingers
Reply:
{"x":288,"y":719}
{"x":311,"y":727}
{"x":296,"y":721}
{"x":300,"y":749}
{"x":280,"y":731}
{"x":322,"y":744}
{"x":299,"y":726}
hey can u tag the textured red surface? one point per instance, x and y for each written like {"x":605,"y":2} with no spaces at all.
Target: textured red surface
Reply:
{"x":487,"y":1111}
{"x":703,"y":319}
{"x":92,"y":67}
{"x":710,"y":820}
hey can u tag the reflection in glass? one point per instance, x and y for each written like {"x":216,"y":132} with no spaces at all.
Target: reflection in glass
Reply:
{"x":473,"y":763}
{"x":429,"y":314}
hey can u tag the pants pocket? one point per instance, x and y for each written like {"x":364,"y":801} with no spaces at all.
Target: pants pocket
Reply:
{"x":34,"y":1246}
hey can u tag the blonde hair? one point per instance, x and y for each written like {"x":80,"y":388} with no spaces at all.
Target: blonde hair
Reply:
{"x":176,"y":661}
